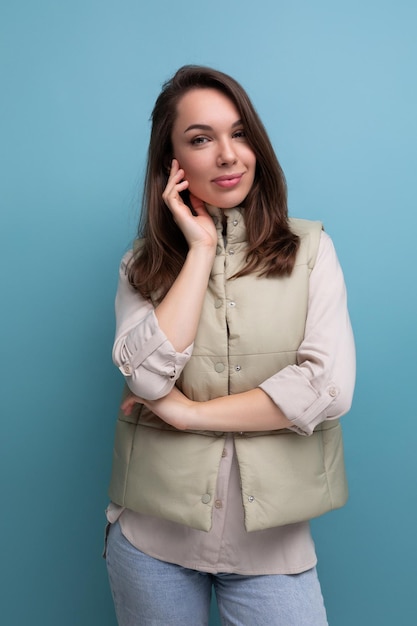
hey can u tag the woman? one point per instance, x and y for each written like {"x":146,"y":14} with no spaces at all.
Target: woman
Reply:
{"x":234,"y":338}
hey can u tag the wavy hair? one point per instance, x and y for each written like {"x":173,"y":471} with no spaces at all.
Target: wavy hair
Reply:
{"x":272,"y":246}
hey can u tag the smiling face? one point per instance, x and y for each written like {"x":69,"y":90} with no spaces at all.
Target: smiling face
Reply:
{"x":209,"y":142}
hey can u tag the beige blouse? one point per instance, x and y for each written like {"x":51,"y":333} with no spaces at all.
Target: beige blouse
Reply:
{"x":228,"y":547}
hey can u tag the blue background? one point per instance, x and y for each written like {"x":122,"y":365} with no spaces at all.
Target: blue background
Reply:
{"x":335,"y":83}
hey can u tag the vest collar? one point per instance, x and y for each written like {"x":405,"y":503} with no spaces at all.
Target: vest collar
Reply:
{"x":235,"y":231}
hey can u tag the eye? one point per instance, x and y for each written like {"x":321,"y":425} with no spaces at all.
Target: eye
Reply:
{"x":199,"y":141}
{"x":239,"y":134}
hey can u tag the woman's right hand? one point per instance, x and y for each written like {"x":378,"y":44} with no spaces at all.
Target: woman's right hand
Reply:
{"x":199,"y":230}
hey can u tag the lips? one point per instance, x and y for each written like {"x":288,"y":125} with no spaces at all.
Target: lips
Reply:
{"x":227,"y":181}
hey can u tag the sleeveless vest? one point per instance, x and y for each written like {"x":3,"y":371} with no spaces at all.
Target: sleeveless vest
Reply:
{"x":250,"y":328}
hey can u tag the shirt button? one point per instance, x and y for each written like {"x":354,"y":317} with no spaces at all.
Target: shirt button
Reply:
{"x":218,"y":504}
{"x":224,"y":452}
{"x":333,"y":392}
{"x":251,"y":498}
{"x":219,"y":367}
{"x":205,"y":498}
{"x":218,"y":303}
{"x":126,"y":369}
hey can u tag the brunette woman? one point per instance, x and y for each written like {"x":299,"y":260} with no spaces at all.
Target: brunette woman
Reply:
{"x":234,"y":339}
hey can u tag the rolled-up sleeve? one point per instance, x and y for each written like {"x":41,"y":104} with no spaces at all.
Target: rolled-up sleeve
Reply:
{"x":141,"y":350}
{"x":320,"y":385}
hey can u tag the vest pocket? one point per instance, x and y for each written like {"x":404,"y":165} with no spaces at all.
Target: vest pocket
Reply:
{"x":166,"y":473}
{"x":289,"y":478}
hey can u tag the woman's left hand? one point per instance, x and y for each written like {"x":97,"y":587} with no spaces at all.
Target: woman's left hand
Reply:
{"x":174,"y":408}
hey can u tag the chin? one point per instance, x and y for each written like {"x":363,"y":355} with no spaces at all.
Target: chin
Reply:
{"x":227,"y":203}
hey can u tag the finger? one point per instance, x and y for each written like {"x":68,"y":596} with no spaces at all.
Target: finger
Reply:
{"x":126,"y":408}
{"x":172,"y":197}
{"x":176,"y":177}
{"x":176,"y":172}
{"x":175,"y":165}
{"x":128,"y":404}
{"x":171,"y":194}
{"x":173,"y":168}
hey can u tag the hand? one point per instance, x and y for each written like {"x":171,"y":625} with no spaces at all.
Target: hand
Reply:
{"x":199,"y":230}
{"x":174,"y":408}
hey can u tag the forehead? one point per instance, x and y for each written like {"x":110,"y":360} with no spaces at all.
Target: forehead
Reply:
{"x":205,"y":105}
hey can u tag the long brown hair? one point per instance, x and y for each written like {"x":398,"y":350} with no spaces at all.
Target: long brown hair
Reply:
{"x":272,"y":247}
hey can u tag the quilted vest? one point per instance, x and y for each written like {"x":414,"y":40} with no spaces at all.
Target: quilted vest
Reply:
{"x":250,"y":328}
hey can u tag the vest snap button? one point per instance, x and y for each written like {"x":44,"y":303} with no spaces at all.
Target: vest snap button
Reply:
{"x":231,"y":251}
{"x":251,"y":498}
{"x":238,"y":368}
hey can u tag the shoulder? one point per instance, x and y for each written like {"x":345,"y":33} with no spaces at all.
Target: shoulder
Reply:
{"x":138,"y":245}
{"x":310,"y":233}
{"x":124,"y":263}
{"x":129,"y":256}
{"x":304,"y":227}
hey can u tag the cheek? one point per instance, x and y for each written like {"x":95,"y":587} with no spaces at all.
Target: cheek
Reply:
{"x":196,"y":186}
{"x":194,"y":170}
{"x":251,"y":159}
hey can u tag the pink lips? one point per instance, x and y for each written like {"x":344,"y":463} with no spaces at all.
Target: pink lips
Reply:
{"x":230,"y":180}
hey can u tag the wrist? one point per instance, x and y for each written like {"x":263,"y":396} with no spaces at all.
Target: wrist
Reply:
{"x":201,"y":259}
{"x":206,"y":249}
{"x":192,"y":415}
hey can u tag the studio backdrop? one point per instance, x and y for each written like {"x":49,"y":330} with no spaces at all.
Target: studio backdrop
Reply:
{"x":335,"y":84}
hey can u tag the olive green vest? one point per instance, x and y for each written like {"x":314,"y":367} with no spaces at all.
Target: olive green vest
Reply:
{"x":250,"y":328}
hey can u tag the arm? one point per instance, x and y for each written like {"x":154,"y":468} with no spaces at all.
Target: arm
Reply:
{"x":300,"y":396}
{"x":152,"y":346}
{"x":141,"y":350}
{"x":226,"y":414}
{"x":320,"y":386}
{"x":179,"y":312}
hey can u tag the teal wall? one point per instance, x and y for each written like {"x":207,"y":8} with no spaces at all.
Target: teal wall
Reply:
{"x":335,"y":83}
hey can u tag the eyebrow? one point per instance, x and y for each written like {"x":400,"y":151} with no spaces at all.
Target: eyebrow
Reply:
{"x":206,"y":127}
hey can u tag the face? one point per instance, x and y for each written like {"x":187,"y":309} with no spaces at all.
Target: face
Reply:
{"x":210,"y":145}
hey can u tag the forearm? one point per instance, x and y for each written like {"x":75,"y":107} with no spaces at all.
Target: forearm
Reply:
{"x":320,"y":385}
{"x":179,"y":312}
{"x":249,"y":411}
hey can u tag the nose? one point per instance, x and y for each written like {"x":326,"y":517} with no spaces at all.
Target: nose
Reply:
{"x":227,"y":154}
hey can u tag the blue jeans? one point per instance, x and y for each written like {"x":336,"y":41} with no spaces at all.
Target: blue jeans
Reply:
{"x":149,"y":592}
